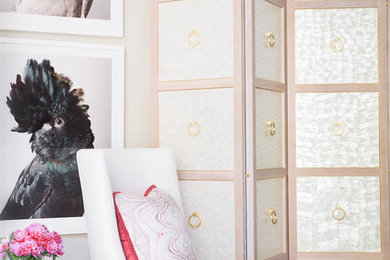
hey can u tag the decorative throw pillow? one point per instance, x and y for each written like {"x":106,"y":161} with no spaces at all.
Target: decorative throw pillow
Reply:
{"x":127,"y":245}
{"x":152,"y":227}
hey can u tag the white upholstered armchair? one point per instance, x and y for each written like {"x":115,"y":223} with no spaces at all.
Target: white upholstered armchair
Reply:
{"x":132,"y":171}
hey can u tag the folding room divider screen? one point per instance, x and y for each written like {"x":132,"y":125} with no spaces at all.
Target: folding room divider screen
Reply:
{"x":276,"y":112}
{"x":337,"y":129}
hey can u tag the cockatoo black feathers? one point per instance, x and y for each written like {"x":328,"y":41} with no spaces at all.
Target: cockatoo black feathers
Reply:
{"x":44,"y":105}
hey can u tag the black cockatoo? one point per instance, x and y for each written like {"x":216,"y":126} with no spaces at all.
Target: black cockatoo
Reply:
{"x":44,"y":105}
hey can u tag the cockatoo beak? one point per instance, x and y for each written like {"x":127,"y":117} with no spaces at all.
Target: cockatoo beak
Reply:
{"x":46,"y":127}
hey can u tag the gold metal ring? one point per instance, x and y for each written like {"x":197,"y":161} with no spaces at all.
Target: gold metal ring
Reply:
{"x":339,"y":42}
{"x":274,"y":216}
{"x":271,"y":39}
{"x":194,"y":215}
{"x":338,"y":208}
{"x":334,"y":132}
{"x":193,"y":38}
{"x":193,"y":125}
{"x":271,"y":127}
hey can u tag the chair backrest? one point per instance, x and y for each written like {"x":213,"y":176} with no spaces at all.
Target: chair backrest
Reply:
{"x":132,"y":171}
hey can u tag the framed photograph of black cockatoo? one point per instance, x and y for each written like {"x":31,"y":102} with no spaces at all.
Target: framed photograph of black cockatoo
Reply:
{"x":87,"y":17}
{"x":55,"y":99}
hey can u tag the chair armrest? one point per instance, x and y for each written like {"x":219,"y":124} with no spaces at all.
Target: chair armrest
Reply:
{"x":103,"y":237}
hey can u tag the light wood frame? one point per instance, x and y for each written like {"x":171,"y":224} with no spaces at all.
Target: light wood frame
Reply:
{"x":253,"y":83}
{"x":237,"y":83}
{"x":380,"y":87}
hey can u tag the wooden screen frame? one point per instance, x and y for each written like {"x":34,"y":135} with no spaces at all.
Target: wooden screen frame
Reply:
{"x":380,"y":87}
{"x":237,"y":83}
{"x":245,"y":170}
{"x":253,"y":83}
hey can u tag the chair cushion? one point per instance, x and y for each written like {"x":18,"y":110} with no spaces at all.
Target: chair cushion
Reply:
{"x":152,"y":227}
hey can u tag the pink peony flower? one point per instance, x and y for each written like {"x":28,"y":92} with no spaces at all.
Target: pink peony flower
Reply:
{"x":31,"y":247}
{"x":35,"y":241}
{"x":57,"y":237}
{"x":39,"y":233}
{"x":4,"y":245}
{"x":16,"y":248}
{"x":20,"y":236}
{"x":54,"y":248}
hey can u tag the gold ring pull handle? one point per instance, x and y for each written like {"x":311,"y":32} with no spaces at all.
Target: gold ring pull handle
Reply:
{"x":337,"y":45}
{"x":193,"y":38}
{"x":271,"y":128}
{"x":194,"y":215}
{"x":274,"y":216}
{"x":337,"y":129}
{"x":338,"y":209}
{"x":193,"y":129}
{"x":271,"y":39}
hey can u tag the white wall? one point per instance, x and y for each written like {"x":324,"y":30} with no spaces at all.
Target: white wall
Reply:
{"x":137,"y":88}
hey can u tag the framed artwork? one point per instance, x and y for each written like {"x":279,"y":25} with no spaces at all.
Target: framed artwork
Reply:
{"x":55,"y":98}
{"x":87,"y":17}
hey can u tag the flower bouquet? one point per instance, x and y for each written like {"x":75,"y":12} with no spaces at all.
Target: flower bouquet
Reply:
{"x":34,"y":242}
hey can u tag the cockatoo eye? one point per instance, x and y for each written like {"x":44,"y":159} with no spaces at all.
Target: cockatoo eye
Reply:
{"x":58,"y":122}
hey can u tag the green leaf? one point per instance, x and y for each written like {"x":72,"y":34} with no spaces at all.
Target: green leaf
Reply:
{"x":11,"y":237}
{"x":5,"y":257}
{"x":54,"y":257}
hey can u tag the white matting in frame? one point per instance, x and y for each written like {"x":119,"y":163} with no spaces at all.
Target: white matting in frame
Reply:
{"x":99,"y":70}
{"x":105,"y":18}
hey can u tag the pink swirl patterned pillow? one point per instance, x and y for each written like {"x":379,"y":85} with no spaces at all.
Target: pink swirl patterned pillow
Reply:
{"x":155,"y":224}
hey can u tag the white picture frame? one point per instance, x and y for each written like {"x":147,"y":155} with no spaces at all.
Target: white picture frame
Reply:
{"x":110,"y":25}
{"x":65,"y":51}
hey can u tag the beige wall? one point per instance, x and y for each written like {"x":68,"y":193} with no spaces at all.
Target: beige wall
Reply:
{"x":137,"y":88}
